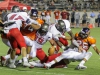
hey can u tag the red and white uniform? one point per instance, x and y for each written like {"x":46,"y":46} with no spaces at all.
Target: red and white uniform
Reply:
{"x":36,"y":50}
{"x":13,"y":32}
{"x":58,"y":35}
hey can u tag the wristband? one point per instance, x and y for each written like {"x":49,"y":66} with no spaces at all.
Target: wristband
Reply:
{"x":63,"y":36}
{"x":54,"y":46}
{"x":63,"y":47}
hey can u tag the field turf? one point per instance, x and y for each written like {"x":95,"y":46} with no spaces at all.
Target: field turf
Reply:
{"x":93,"y":64}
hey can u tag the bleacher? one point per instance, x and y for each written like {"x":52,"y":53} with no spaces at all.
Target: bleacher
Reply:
{"x":59,"y":4}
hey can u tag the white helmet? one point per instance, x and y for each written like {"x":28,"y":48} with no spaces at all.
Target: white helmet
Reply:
{"x":24,"y":8}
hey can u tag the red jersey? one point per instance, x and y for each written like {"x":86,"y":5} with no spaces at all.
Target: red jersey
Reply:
{"x":48,"y":13}
{"x":57,"y":14}
{"x":64,"y":15}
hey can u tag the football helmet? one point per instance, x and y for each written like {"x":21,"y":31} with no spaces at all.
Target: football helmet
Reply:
{"x":61,"y":26}
{"x":84,"y":33}
{"x":34,"y":12}
{"x":44,"y":29}
{"x":15,"y":9}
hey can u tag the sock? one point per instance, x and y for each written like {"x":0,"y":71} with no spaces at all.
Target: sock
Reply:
{"x":20,"y":61}
{"x":7,"y":56}
{"x":16,"y":57}
{"x":12,"y":61}
{"x":82,"y":62}
{"x":59,"y":58}
{"x":52,"y":62}
{"x":27,"y":55}
{"x":39,"y":65}
{"x":25,"y":59}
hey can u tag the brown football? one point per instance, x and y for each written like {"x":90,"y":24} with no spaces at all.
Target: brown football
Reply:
{"x":51,"y":50}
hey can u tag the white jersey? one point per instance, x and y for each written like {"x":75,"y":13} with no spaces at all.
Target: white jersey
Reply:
{"x":18,"y":18}
{"x":40,"y":40}
{"x":56,"y":34}
{"x":67,"y":23}
{"x":38,"y":43}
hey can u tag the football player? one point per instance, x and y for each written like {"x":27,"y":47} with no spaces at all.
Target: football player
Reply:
{"x":42,"y":36}
{"x":14,"y":35}
{"x":58,"y":30}
{"x":85,"y":40}
{"x":29,"y":32}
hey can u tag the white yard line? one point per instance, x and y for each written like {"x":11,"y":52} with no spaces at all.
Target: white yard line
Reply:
{"x":47,"y":73}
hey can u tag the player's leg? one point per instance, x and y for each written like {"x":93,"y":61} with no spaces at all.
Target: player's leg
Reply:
{"x":40,"y":54}
{"x":56,"y":60}
{"x":86,"y":58}
{"x":29,"y":44}
{"x":19,"y":41}
{"x":5,"y":59}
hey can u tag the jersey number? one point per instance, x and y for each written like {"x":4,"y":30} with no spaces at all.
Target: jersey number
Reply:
{"x":39,"y":40}
{"x":13,"y":17}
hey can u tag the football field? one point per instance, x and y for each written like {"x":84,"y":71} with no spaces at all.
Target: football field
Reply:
{"x":93,"y":65}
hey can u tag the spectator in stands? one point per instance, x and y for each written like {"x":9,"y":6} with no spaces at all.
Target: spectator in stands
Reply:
{"x":0,"y":13}
{"x":65,"y":14}
{"x":77,"y":18}
{"x":48,"y":16}
{"x":73,"y":18}
{"x":84,"y":19}
{"x":92,"y":18}
{"x":24,"y":9}
{"x":43,"y":17}
{"x":57,"y":15}
{"x":68,"y":14}
{"x":98,"y":19}
{"x":3,"y":14}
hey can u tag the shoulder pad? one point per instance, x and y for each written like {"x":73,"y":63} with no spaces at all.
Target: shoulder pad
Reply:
{"x":91,"y":40}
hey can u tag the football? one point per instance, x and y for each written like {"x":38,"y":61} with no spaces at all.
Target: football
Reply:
{"x":51,"y":50}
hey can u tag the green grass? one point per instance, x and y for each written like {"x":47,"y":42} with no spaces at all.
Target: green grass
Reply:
{"x":93,"y":64}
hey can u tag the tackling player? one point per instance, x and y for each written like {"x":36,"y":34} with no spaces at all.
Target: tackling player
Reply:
{"x":85,"y":40}
{"x":14,"y":36}
{"x":58,"y":30}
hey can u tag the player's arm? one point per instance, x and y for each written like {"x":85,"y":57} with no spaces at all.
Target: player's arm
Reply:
{"x":60,"y":44}
{"x":92,"y":41}
{"x":68,"y":37}
{"x":73,"y":39}
{"x":56,"y":39}
{"x":38,"y":24}
{"x":71,"y":34}
{"x":96,"y":50}
{"x":52,"y":42}
{"x":35,"y":26}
